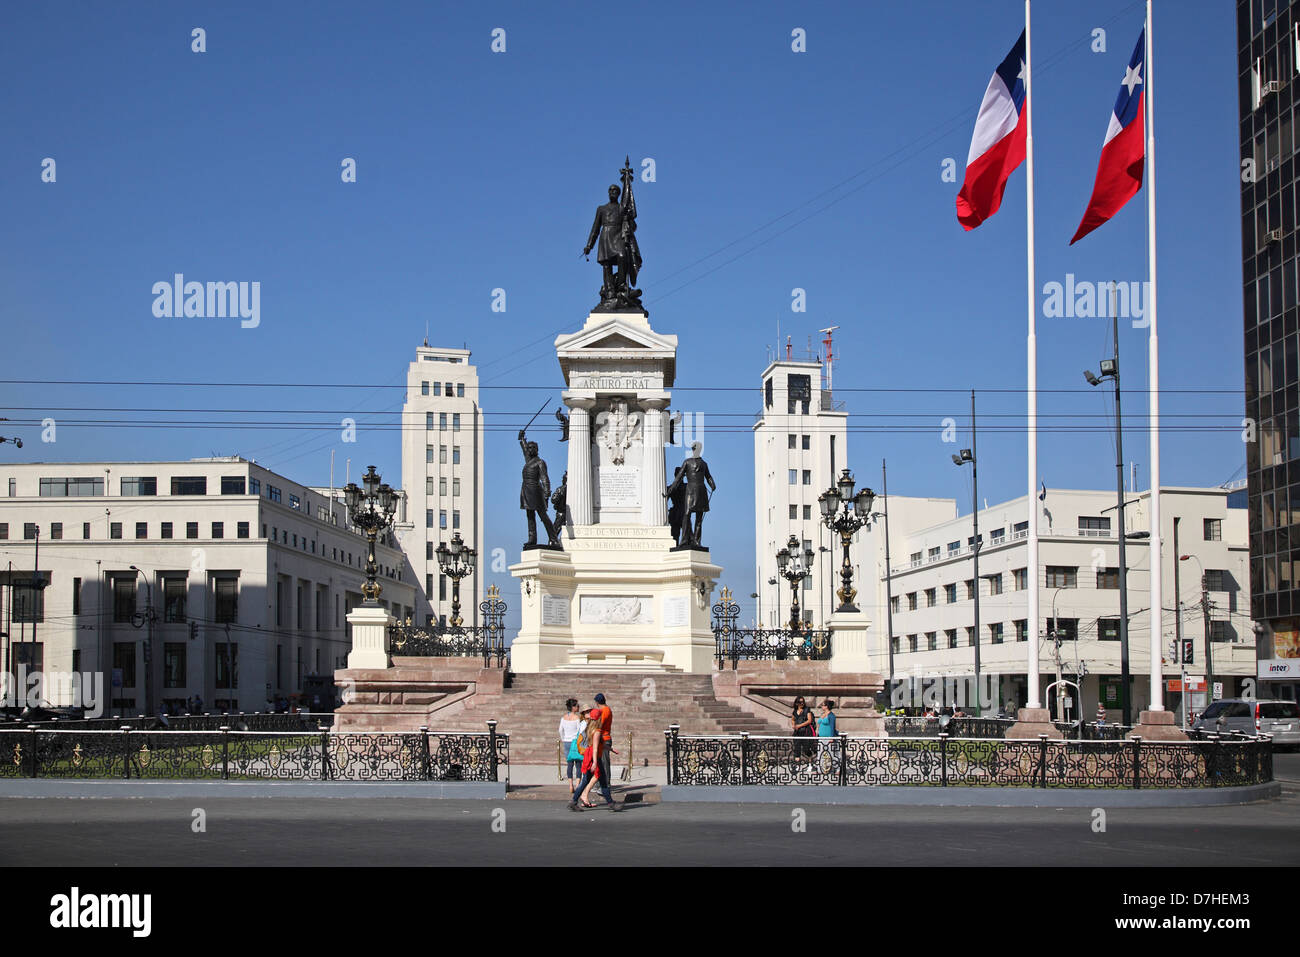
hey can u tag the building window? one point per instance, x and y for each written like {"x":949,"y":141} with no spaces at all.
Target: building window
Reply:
{"x":85,"y":530}
{"x":254,"y":486}
{"x":225,"y":660}
{"x":428,"y":455}
{"x":28,"y":602}
{"x":970,"y":588}
{"x":436,"y":389}
{"x":455,"y":455}
{"x":424,"y":388}
{"x":115,"y":530}
{"x":995,"y":584}
{"x":931,"y":641}
{"x":790,"y":440}
{"x":455,"y":518}
{"x":174,"y":664}
{"x":273,"y":493}
{"x":807,"y":442}
{"x":191,"y":529}
{"x":911,"y":601}
{"x":227,"y":603}
{"x":1214,"y":579}
{"x":428,"y":420}
{"x":4,"y":531}
{"x":807,"y":477}
{"x":1067,"y":629}
{"x":1020,"y":530}
{"x":232,"y":485}
{"x":124,"y":661}
{"x":455,"y":421}
{"x":442,"y":485}
{"x":442,"y":518}
{"x":66,"y":487}
{"x":893,"y":604}
{"x":295,"y":502}
{"x":1108,"y":578}
{"x":794,"y":513}
{"x":166,"y":530}
{"x":1093,"y":527}
{"x":997,"y":536}
{"x":442,"y":587}
{"x":931,"y":597}
{"x":950,"y":593}
{"x":893,"y":642}
{"x":1021,"y":576}
{"x":954,"y":548}
{"x":807,"y":513}
{"x":174,"y":599}
{"x":442,"y":421}
{"x":460,"y":390}
{"x":76,"y":600}
{"x":455,"y":486}
{"x":241,"y":530}
{"x":970,"y":637}
{"x":995,"y":634}
{"x":123,"y":599}
{"x":1062,"y":576}
{"x":189,"y":485}
{"x":1213,"y":529}
{"x":794,"y":476}
{"x":442,"y":455}
{"x":911,"y":643}
{"x":141,"y":485}
{"x":1022,"y":629}
{"x":141,"y":529}
{"x":13,"y":488}
{"x":1108,"y":629}
{"x":428,"y":518}
{"x":934,"y":554}
{"x":56,"y":531}
{"x":218,"y":529}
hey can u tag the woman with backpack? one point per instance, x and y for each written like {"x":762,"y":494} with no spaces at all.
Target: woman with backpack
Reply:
{"x":570,"y":728}
{"x":590,"y":742}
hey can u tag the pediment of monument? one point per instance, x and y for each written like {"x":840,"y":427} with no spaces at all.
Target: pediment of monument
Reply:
{"x":614,"y":340}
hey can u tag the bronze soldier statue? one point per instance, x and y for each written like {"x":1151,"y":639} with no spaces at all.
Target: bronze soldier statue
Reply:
{"x":559,"y":498}
{"x":613,"y":235}
{"x":694,"y":474}
{"x":534,"y":492}
{"x":677,"y":508}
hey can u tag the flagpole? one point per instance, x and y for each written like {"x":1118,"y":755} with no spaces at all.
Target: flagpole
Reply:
{"x":1034,"y":700}
{"x":1157,"y":566}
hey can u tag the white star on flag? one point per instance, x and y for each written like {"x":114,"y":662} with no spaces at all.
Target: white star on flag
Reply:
{"x":1021,"y":74}
{"x":1132,"y":77}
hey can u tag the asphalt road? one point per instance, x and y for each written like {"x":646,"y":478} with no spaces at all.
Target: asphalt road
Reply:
{"x":398,"y":831}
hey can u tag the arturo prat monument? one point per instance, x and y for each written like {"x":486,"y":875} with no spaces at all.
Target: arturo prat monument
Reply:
{"x":620,"y":593}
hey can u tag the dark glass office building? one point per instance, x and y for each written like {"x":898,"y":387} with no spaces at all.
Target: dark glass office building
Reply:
{"x":1268,"y":56}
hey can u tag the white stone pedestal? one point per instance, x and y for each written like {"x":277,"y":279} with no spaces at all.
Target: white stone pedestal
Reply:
{"x":370,"y":625}
{"x":849,"y":652}
{"x":618,"y":598}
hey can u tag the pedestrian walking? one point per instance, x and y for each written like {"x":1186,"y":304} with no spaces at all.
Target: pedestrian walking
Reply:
{"x":570,"y":728}
{"x":591,"y":744}
{"x":606,"y":734}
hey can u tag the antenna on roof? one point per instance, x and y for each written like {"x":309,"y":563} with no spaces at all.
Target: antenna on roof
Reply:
{"x":830,"y":354}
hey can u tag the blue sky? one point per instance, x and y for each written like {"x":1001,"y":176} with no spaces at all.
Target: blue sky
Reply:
{"x":477,"y":170}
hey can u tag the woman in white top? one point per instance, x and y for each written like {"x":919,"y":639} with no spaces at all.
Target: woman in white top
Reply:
{"x":570,"y":725}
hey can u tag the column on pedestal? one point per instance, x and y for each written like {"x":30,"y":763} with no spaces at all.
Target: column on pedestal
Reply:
{"x":579,"y":498}
{"x":654,"y":507}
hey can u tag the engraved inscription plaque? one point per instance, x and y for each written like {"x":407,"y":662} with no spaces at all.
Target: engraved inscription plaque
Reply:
{"x":676,"y":611}
{"x":555,"y":610}
{"x":619,"y":488}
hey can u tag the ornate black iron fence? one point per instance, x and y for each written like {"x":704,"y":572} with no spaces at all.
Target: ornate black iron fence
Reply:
{"x":733,"y":643}
{"x":236,"y":721}
{"x":916,"y":726}
{"x":322,"y":755}
{"x":843,"y":761}
{"x":486,"y":641}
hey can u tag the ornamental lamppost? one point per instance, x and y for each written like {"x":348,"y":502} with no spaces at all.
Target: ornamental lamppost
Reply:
{"x":456,"y":560}
{"x":794,"y":568}
{"x":844,"y":512}
{"x":371,"y":510}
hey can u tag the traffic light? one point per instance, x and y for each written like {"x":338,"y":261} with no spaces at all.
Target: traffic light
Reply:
{"x":1187,"y":651}
{"x":194,"y":630}
{"x":1173,"y":650}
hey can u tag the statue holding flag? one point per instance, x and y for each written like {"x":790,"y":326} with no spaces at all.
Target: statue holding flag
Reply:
{"x":613,"y":235}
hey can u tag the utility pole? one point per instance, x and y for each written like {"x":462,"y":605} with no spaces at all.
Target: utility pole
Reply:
{"x":1209,"y":660}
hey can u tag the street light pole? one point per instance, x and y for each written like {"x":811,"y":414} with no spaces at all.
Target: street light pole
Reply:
{"x":889,"y":587}
{"x":1205,"y":619}
{"x":1110,"y":370}
{"x":148,"y":642}
{"x":456,"y":561}
{"x":788,"y":564}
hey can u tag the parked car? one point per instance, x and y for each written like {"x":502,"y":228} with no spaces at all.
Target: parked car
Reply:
{"x":1281,"y":719}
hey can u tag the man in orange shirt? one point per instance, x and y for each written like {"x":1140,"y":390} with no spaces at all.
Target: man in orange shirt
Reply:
{"x":606,"y":734}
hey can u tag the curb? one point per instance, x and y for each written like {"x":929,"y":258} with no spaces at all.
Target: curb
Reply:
{"x":969,"y":796}
{"x":434,"y":790}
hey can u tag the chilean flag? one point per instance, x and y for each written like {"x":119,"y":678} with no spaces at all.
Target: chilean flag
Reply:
{"x":998,"y":145}
{"x":1119,"y":174}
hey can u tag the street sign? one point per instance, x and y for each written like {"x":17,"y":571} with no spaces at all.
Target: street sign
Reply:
{"x":1196,"y":684}
{"x":1174,"y":685}
{"x":1218,"y":690}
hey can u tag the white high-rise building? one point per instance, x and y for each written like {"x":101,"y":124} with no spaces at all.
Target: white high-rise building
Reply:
{"x":442,"y":476}
{"x":800,"y":446}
